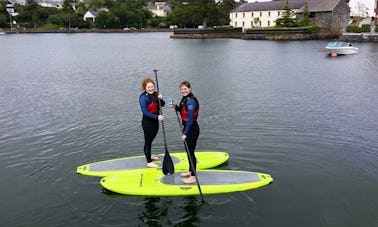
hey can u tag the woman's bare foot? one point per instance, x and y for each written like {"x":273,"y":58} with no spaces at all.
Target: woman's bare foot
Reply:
{"x":154,"y":158}
{"x":189,"y":180}
{"x":152,"y":165}
{"x":185,"y":174}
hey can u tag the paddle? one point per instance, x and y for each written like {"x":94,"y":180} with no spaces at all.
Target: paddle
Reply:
{"x":190,"y":159}
{"x":168,"y":167}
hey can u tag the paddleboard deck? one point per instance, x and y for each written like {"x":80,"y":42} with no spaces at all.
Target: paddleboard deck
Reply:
{"x":151,"y":182}
{"x":205,"y":160}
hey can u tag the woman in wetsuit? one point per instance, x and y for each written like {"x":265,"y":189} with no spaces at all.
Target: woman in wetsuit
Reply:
{"x":189,"y":108}
{"x":149,"y":104}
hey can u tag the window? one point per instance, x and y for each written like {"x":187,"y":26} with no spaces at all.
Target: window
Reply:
{"x":243,"y":24}
{"x":268,"y":23}
{"x":260,"y":14}
{"x":236,"y":15}
{"x":243,"y":15}
{"x":252,"y":14}
{"x":268,"y":14}
{"x":251,"y":23}
{"x":278,"y":13}
{"x":260,"y":23}
{"x":236,"y":23}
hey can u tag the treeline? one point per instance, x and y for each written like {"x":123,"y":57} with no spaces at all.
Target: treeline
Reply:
{"x":118,"y":14}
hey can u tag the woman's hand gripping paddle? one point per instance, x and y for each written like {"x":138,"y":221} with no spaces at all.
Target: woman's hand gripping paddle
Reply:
{"x":190,"y":159}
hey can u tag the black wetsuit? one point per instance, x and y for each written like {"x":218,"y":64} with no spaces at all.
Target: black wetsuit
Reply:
{"x":149,"y":103}
{"x":189,"y":108}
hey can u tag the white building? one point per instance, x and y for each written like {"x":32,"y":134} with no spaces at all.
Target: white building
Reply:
{"x":159,"y":9}
{"x":260,"y":14}
{"x":90,"y":16}
{"x":363,"y":8}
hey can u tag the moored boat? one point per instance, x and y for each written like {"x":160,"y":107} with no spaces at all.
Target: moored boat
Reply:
{"x":336,"y":48}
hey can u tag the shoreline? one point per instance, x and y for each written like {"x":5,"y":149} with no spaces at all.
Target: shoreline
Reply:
{"x":349,"y":37}
{"x":92,"y":30}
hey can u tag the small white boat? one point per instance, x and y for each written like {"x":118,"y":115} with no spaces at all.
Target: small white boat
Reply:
{"x":336,"y":48}
{"x":2,"y":32}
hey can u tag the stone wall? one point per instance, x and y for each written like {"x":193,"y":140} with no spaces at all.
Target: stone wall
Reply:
{"x":334,"y":22}
{"x":359,"y":37}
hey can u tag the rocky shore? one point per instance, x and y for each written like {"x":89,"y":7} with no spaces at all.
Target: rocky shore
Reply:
{"x":94,"y":30}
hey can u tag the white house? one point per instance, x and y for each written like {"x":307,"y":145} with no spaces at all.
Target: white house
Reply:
{"x":159,"y":9}
{"x":260,"y":14}
{"x":363,"y":8}
{"x":330,"y":15}
{"x":90,"y":16}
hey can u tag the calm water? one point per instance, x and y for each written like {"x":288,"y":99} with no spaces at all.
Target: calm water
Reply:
{"x":283,"y":108}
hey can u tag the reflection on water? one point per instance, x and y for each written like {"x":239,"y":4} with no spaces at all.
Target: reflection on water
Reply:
{"x":284,"y":108}
{"x":163,"y":212}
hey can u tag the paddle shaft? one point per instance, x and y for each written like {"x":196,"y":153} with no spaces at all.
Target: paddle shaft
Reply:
{"x":190,"y":159}
{"x":167,"y":162}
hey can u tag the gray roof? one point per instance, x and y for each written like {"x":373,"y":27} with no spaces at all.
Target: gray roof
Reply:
{"x":313,"y":5}
{"x":321,"y":5}
{"x":266,"y":6}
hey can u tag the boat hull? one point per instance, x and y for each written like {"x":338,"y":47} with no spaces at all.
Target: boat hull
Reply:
{"x":336,"y":48}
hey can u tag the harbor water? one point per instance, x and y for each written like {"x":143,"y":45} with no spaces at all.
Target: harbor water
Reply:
{"x":280,"y":107}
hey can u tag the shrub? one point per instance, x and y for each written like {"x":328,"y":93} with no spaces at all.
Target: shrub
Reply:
{"x":50,"y":26}
{"x":356,"y":29}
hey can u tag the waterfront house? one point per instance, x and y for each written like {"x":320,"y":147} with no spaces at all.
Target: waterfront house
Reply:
{"x":330,"y":15}
{"x":159,"y":9}
{"x":90,"y":16}
{"x":365,"y":10}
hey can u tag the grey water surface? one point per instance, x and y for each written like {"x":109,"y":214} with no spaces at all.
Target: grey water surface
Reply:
{"x":283,"y":108}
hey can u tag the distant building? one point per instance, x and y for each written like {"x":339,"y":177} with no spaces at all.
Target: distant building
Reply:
{"x":330,"y":15}
{"x":159,"y":9}
{"x":51,"y":3}
{"x":366,"y":9}
{"x":90,"y":16}
{"x":10,"y":9}
{"x":376,"y":13}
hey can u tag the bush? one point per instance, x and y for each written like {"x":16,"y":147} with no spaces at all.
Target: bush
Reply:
{"x":366,"y":28}
{"x":50,"y":26}
{"x":313,"y":29}
{"x":356,"y":29}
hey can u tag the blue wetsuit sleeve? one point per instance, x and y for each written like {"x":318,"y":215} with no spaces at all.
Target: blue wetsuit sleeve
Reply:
{"x":190,"y":106}
{"x":143,"y":101}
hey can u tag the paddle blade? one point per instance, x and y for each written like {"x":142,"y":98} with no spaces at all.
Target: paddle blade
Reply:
{"x":168,"y":167}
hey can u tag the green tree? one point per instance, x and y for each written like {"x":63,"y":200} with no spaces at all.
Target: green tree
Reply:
{"x":106,"y":20}
{"x":96,"y":4}
{"x":224,"y":9}
{"x":183,"y":16}
{"x":67,"y":5}
{"x":288,"y":19}
{"x":81,"y":9}
{"x":3,"y":14}
{"x":306,"y":15}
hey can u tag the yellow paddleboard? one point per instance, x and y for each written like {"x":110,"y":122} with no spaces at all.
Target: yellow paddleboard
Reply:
{"x":205,"y":160}
{"x":152,"y":182}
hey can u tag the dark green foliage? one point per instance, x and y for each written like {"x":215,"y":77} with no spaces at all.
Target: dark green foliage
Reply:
{"x":356,"y":29}
{"x":4,"y":17}
{"x":121,"y":14}
{"x":288,"y":19}
{"x":106,"y":20}
{"x":306,"y":16}
{"x":207,"y":13}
